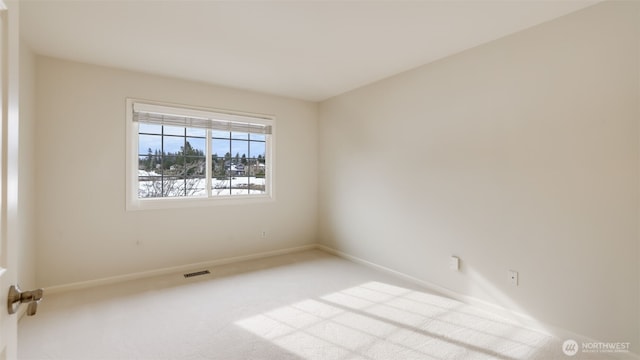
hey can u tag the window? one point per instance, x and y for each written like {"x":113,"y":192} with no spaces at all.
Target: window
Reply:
{"x":179,"y":156}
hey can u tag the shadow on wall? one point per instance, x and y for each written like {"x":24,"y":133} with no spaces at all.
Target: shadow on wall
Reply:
{"x":375,"y":320}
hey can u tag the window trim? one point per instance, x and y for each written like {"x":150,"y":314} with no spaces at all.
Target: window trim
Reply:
{"x":131,"y":173}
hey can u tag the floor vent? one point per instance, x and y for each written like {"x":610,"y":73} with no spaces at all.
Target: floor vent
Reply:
{"x":197,"y":273}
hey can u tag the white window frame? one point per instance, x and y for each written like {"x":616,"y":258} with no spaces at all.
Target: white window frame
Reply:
{"x":133,"y":202}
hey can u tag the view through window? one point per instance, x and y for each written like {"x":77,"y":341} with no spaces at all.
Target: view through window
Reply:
{"x":181,"y":155}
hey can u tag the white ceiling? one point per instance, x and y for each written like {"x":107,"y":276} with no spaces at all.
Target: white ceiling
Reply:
{"x":305,"y":50}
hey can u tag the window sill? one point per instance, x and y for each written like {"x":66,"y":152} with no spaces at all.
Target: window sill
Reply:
{"x":178,"y":203}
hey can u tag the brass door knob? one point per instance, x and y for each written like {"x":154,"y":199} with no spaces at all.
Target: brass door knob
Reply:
{"x":17,"y":297}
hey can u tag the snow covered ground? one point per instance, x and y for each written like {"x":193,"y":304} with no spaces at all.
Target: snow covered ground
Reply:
{"x":239,"y":185}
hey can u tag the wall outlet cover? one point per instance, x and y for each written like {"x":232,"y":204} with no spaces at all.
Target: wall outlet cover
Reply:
{"x":454,"y":263}
{"x":513,"y":277}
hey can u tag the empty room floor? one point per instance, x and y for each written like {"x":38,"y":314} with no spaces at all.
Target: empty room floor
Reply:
{"x":306,"y":305}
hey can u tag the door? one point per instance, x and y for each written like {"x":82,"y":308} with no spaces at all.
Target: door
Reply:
{"x":8,"y":170}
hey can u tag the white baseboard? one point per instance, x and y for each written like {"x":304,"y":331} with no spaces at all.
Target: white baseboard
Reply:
{"x":172,"y":270}
{"x":522,"y":319}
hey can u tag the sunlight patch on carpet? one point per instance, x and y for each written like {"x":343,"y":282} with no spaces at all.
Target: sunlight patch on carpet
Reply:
{"x":380,"y":321}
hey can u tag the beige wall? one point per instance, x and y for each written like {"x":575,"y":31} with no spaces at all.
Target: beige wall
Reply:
{"x":83,"y":229}
{"x":519,"y":154}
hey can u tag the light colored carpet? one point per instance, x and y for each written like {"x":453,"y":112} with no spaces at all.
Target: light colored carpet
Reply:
{"x":307,"y":305}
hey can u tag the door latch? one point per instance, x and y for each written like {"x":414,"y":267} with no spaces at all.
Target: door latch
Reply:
{"x":17,"y":297}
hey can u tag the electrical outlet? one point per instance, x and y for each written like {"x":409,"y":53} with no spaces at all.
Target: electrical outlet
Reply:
{"x":454,"y":263}
{"x":263,"y":234}
{"x":513,"y":277}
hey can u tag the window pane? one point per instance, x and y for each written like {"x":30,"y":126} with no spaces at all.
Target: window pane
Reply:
{"x":257,"y":181}
{"x":196,"y":132}
{"x":174,"y":130}
{"x":217,"y":167}
{"x":147,"y":165}
{"x":173,"y":186}
{"x":146,"y":142}
{"x":240,"y":135}
{"x":194,"y":166}
{"x":239,"y":185}
{"x":257,"y":148}
{"x":234,"y":168}
{"x":220,"y":147}
{"x":220,"y":134}
{"x":239,"y":148}
{"x":173,"y":144}
{"x":196,"y":186}
{"x":149,"y":186}
{"x":195,"y":146}
{"x":195,"y":182}
{"x":169,"y":165}
{"x":149,"y":128}
{"x":260,"y":137}
{"x":220,"y":186}
{"x":257,"y":185}
{"x":260,"y":169}
{"x":250,"y":167}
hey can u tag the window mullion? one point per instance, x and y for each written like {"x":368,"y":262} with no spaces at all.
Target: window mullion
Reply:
{"x":230,"y":177}
{"x":208,"y":164}
{"x":184,"y":161}
{"x":162,"y":162}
